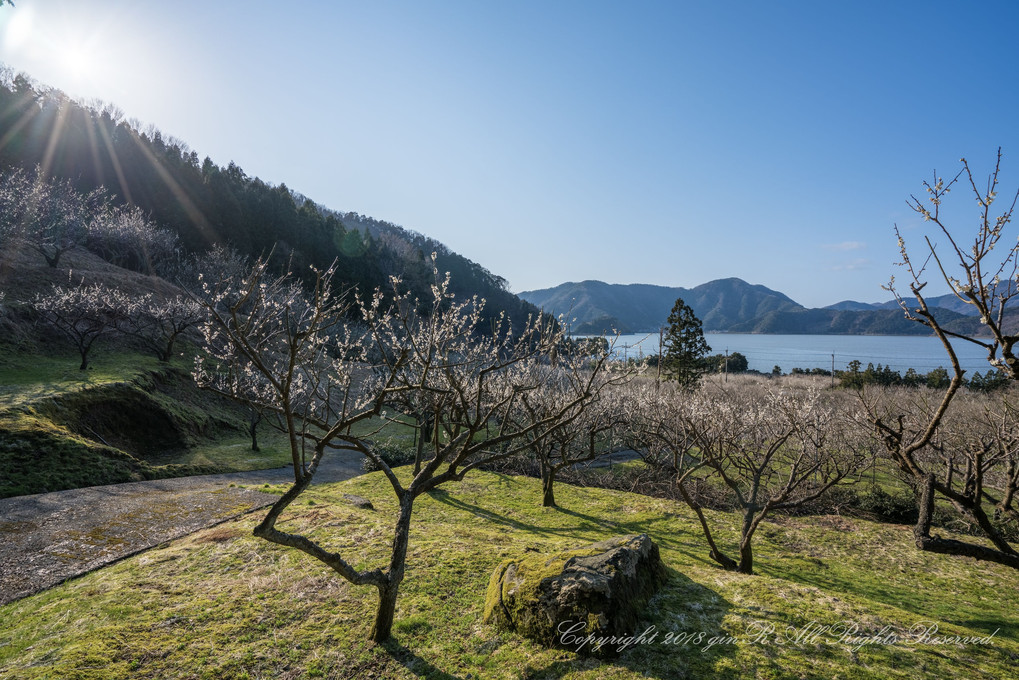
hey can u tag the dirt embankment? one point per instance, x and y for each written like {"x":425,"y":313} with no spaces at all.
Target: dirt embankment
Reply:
{"x":111,"y":433}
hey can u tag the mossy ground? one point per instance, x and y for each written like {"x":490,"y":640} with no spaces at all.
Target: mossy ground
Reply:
{"x":221,"y":603}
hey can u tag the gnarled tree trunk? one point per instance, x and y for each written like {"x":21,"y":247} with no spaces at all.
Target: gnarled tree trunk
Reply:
{"x":388,"y":591}
{"x":547,"y":485}
{"x":948,"y":546}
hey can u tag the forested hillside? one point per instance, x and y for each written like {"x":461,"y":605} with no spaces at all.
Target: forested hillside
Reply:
{"x":950,"y":302}
{"x":205,"y":204}
{"x":849,"y":322}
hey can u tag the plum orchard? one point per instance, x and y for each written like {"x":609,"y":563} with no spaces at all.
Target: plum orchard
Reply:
{"x":315,"y":364}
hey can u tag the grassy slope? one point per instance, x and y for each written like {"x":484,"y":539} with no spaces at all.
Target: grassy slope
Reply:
{"x":49,"y":410}
{"x":223,"y":604}
{"x":128,"y":418}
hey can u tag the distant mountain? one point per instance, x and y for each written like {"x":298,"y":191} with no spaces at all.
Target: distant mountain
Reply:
{"x":735,"y":306}
{"x":950,"y":302}
{"x":842,"y":322}
{"x":595,"y":306}
{"x":853,"y":306}
{"x":721,"y":304}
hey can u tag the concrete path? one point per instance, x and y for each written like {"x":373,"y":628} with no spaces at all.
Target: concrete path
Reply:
{"x":611,"y":459}
{"x":48,"y":538}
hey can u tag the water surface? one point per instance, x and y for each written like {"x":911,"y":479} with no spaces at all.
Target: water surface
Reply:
{"x":764,"y":352}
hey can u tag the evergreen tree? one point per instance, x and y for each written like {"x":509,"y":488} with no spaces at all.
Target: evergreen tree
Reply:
{"x":685,"y":347}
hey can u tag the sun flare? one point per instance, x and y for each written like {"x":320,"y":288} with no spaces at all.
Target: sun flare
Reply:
{"x":17,"y":30}
{"x":63,"y":50}
{"x":78,"y":61}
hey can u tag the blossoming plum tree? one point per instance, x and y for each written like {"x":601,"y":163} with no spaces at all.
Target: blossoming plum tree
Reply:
{"x":315,"y":365}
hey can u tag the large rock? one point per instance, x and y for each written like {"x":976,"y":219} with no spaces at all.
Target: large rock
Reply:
{"x":577,"y":598}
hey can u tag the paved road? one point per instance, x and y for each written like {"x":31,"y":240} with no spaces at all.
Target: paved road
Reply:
{"x":623,"y":456}
{"x":48,"y":538}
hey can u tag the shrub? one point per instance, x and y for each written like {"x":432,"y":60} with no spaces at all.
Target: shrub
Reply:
{"x":392,"y":456}
{"x":898,"y":508}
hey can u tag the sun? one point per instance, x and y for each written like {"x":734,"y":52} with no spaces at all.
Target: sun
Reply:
{"x":77,"y":61}
{"x":60,"y":50}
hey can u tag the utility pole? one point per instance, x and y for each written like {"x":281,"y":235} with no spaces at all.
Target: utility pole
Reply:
{"x":833,"y":369}
{"x":661,"y":341}
{"x":726,"y":364}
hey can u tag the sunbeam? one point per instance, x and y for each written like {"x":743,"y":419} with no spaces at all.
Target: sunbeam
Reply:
{"x":193,"y":213}
{"x":121,"y":178}
{"x":55,"y":135}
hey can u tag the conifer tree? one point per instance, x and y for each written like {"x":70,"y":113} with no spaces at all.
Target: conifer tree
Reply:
{"x":685,"y":347}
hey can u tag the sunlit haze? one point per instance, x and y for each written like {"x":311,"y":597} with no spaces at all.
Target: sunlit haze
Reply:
{"x":670,"y":143}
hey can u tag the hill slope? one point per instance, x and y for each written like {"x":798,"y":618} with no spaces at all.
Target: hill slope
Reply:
{"x":949,"y":302}
{"x":206,"y":204}
{"x":847,"y":322}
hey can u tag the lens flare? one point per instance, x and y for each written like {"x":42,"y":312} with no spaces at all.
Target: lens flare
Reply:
{"x":17,"y":28}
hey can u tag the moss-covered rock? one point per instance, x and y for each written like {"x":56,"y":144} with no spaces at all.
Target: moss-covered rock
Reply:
{"x":587,"y":599}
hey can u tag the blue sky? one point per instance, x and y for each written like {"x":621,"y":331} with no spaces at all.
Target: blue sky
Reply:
{"x":670,"y":143}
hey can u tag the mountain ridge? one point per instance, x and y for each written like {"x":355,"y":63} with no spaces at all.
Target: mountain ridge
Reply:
{"x":735,"y":306}
{"x":595,"y":306}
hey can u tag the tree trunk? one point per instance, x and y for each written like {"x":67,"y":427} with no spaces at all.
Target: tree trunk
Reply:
{"x":253,"y":421}
{"x":84,"y":360}
{"x":167,"y":353}
{"x":547,"y":485}
{"x":388,"y":591}
{"x":922,"y":530}
{"x":1005,"y":505}
{"x":385,"y":613}
{"x":420,"y":450}
{"x":746,"y":547}
{"x":985,"y":524}
{"x":727,"y":562}
{"x":949,"y":546}
{"x":746,"y":557}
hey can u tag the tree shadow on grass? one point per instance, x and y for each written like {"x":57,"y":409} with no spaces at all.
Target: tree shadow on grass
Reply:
{"x":414,"y":663}
{"x":585,"y":523}
{"x":926,"y":603}
{"x":683,"y":618}
{"x":664,"y":540}
{"x":679,"y":636}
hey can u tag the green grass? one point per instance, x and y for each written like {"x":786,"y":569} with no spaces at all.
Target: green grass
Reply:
{"x":26,"y":378}
{"x":129,"y":418}
{"x":221,"y":603}
{"x":234,"y":452}
{"x":396,"y":430}
{"x":36,"y":456}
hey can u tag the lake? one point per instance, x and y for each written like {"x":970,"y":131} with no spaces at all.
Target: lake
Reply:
{"x":763,"y":352}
